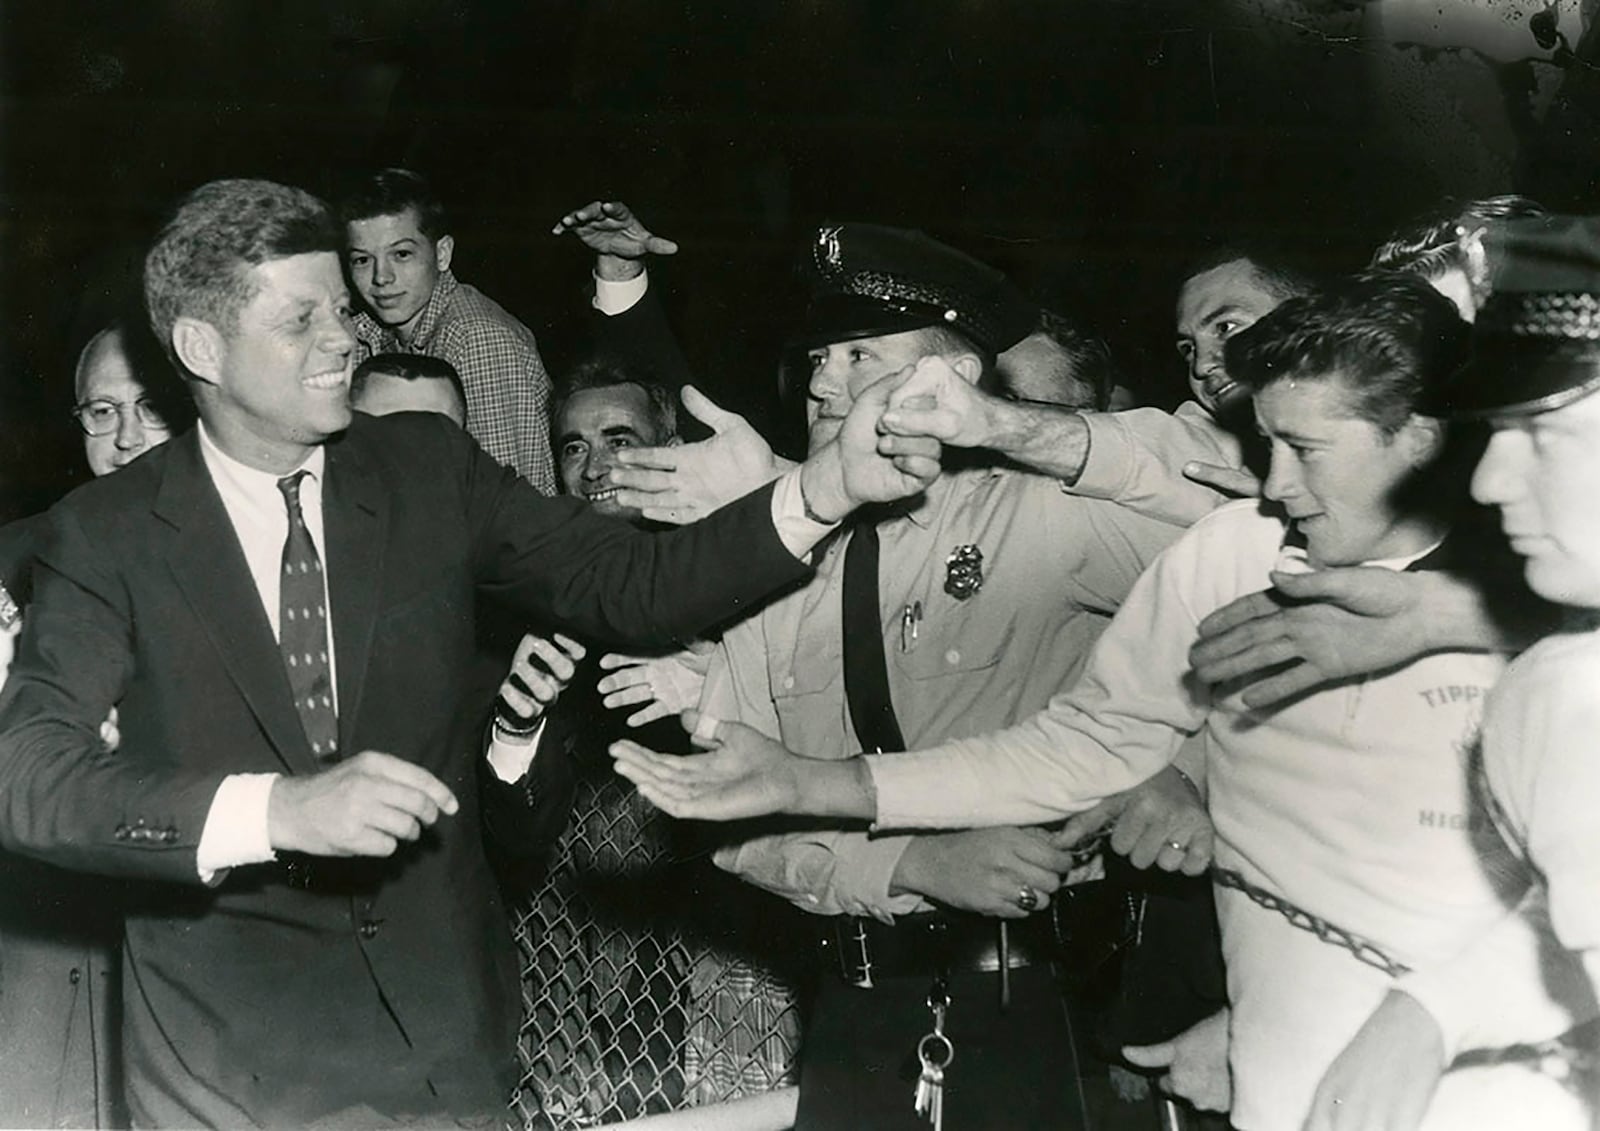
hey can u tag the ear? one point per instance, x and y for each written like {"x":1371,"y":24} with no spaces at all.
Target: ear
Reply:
{"x":968,"y":367}
{"x":1423,"y":437}
{"x":673,"y":441}
{"x":200,"y":347}
{"x":444,"y":249}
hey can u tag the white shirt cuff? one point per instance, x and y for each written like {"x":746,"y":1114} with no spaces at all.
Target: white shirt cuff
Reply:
{"x":798,"y":533}
{"x":612,"y":298}
{"x":510,"y":757}
{"x":236,"y":831}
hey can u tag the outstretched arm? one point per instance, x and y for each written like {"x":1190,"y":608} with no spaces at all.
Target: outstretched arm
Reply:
{"x":1311,"y":629}
{"x":744,"y":774}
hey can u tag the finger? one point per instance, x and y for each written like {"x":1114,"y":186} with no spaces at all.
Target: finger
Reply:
{"x":1147,"y":847}
{"x":655,"y":245}
{"x":1170,"y":859}
{"x":390,"y":798}
{"x":938,"y":422}
{"x":670,"y":516}
{"x":628,"y":696}
{"x":1150,"y":1056}
{"x":706,"y":730}
{"x":1236,"y":612}
{"x":1333,"y":585}
{"x":613,"y":660}
{"x":557,"y":663}
{"x":644,"y":469}
{"x":1197,"y":858}
{"x":1086,"y":823}
{"x":706,"y":410}
{"x":1239,"y":637}
{"x":523,"y":705}
{"x":395,"y":823}
{"x":1284,"y":685}
{"x":1258,"y":658}
{"x":1041,"y":852}
{"x":571,"y":647}
{"x":622,"y":679}
{"x":650,"y":714}
{"x":1229,"y":480}
{"x":916,"y":467}
{"x":409,"y":774}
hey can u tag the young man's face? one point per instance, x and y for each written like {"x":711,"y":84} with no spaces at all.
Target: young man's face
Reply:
{"x":108,"y":391}
{"x":1212,"y":307}
{"x":281,"y":381}
{"x":1335,"y":474}
{"x":595,"y":424}
{"x":1543,"y":472}
{"x":394,"y":267}
{"x":840,"y":372}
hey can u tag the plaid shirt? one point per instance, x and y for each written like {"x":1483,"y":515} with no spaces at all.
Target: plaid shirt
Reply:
{"x":508,"y":391}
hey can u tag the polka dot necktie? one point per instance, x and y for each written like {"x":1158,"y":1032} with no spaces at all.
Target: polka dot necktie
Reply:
{"x":303,"y":628}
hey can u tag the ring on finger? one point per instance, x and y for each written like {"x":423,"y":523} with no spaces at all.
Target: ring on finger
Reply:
{"x":1177,"y":845}
{"x":1027,"y":898}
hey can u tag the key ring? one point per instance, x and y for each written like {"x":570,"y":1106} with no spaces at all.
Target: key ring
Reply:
{"x":935,"y":1042}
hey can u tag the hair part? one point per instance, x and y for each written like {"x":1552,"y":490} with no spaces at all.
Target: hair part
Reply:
{"x":199,"y":265}
{"x":606,"y":372}
{"x":1388,"y":338}
{"x":389,"y":192}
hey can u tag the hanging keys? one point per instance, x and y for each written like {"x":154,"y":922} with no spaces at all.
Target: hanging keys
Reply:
{"x":934,"y":1052}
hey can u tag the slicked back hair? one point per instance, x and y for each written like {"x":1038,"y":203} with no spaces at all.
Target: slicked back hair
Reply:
{"x":1089,"y":354}
{"x":1430,"y":245}
{"x":607,"y":372}
{"x":199,"y":265}
{"x":389,"y":192}
{"x":1387,"y":337}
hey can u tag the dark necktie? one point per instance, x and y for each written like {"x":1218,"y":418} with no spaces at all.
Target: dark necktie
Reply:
{"x":303,"y":628}
{"x":866,"y":670}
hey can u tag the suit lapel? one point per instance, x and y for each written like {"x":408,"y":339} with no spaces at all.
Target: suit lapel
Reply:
{"x":355,"y":517}
{"x":210,"y":568}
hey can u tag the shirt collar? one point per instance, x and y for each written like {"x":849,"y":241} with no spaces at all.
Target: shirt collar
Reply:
{"x":1292,"y":556}
{"x":248,"y":481}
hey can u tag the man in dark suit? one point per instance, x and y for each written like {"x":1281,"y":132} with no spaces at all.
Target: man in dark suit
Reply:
{"x":315,"y":937}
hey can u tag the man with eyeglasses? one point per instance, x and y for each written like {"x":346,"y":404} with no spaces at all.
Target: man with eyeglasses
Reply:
{"x":119,"y":418}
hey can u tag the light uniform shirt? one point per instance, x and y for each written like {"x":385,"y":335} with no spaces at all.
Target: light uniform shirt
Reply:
{"x":1352,"y":802}
{"x":1136,"y":458}
{"x":1055,"y":567}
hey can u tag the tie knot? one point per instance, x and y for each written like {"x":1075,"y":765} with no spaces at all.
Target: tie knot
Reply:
{"x":290,"y":486}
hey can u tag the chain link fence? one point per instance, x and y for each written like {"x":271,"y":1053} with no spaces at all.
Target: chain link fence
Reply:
{"x":651,"y":981}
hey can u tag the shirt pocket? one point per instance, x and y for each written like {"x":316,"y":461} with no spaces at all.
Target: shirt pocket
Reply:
{"x":955,"y":640}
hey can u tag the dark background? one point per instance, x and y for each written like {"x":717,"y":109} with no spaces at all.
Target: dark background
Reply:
{"x":1090,"y":149}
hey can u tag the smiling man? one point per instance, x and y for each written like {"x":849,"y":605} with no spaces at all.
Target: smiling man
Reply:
{"x":398,"y":252}
{"x":280,"y":603}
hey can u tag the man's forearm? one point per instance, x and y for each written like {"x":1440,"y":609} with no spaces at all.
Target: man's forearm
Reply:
{"x":1052,"y":441}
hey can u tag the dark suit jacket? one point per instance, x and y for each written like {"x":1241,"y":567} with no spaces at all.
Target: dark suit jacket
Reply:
{"x":375,"y":987}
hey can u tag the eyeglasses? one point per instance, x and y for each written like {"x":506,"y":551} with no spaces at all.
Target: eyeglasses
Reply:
{"x":103,"y":417}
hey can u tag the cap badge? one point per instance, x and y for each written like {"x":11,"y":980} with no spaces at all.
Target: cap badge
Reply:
{"x":828,"y":246}
{"x":963,"y":571}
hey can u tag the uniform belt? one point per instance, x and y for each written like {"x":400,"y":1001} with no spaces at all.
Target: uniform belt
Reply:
{"x":859,"y":949}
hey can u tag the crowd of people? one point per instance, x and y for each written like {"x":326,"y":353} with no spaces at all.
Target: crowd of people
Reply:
{"x":313,"y":667}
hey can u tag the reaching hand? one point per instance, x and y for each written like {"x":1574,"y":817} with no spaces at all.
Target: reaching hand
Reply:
{"x":1235,"y":481}
{"x":611,"y":230}
{"x":1161,"y":821}
{"x":745,"y":773}
{"x":864,"y":465}
{"x":984,"y":870}
{"x":666,"y":685}
{"x":540,"y":671}
{"x":685,"y":482}
{"x":1312,"y":628}
{"x":1196,"y":1061}
{"x":364,"y":806}
{"x":935,"y":401}
{"x":1386,"y":1076}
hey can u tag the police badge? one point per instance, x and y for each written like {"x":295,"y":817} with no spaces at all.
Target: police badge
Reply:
{"x":963,"y":571}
